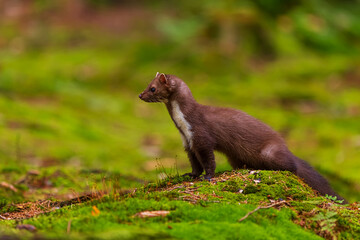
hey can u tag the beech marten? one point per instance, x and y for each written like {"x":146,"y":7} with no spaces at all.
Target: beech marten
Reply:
{"x":243,"y":139}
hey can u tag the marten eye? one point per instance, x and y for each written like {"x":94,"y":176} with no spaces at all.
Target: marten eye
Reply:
{"x":153,"y":89}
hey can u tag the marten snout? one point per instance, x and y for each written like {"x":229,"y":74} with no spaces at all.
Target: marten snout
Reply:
{"x":146,"y":97}
{"x":143,"y":97}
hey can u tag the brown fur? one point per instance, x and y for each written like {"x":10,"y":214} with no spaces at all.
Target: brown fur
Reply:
{"x":245,"y":141}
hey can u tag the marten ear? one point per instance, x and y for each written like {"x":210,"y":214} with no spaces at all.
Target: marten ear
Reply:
{"x":163,"y":79}
{"x":157,"y":74}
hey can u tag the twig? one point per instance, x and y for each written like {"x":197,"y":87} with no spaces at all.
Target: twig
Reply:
{"x":260,"y":207}
{"x":8,"y":186}
{"x":4,"y":218}
{"x":68,"y":227}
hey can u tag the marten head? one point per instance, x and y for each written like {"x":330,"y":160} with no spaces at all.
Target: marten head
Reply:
{"x":159,"y":90}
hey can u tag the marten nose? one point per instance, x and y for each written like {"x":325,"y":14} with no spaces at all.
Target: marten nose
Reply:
{"x":140,"y":95}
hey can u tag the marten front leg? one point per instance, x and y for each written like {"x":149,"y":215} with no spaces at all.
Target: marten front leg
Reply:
{"x":196,"y":166}
{"x":207,"y":159}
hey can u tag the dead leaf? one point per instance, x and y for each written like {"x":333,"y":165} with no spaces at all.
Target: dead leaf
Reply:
{"x":8,"y":186}
{"x":152,"y":214}
{"x":95,"y":212}
{"x":33,"y":172}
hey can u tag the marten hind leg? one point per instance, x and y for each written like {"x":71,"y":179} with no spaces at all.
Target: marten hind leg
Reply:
{"x":196,"y":166}
{"x":236,"y":162}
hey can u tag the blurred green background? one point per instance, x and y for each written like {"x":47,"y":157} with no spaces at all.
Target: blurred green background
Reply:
{"x":71,"y":72}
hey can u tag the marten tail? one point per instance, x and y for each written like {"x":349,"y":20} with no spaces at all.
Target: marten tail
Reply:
{"x":314,"y":179}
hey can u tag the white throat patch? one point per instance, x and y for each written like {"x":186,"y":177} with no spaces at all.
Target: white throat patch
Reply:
{"x":182,"y":124}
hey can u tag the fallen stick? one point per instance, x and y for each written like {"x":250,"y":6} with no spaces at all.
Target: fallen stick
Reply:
{"x":8,"y":186}
{"x":68,"y":229}
{"x":260,"y":207}
{"x":4,"y":218}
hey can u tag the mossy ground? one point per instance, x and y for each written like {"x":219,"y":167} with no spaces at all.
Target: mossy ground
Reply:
{"x":202,"y":210}
{"x":71,"y":124}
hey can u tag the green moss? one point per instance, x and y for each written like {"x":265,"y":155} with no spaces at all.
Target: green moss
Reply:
{"x":232,"y":186}
{"x":251,"y":188}
{"x":203,"y":209}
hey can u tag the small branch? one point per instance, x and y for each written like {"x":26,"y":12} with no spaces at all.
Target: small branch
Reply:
{"x":4,"y":218}
{"x":68,"y":229}
{"x":260,"y":207}
{"x":8,"y":186}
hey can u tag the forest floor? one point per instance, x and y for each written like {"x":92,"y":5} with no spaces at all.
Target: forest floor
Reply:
{"x":238,"y":205}
{"x":82,"y":157}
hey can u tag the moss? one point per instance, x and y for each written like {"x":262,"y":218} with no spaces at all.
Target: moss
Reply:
{"x":251,"y":188}
{"x":203,"y":210}
{"x":232,"y":186}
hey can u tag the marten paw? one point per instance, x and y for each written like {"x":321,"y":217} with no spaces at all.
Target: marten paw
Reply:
{"x":207,"y":177}
{"x":192,"y":175}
